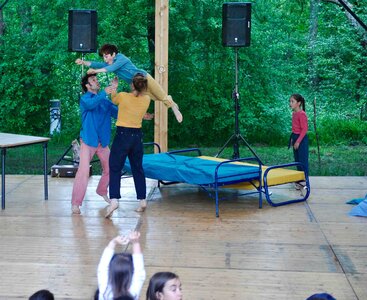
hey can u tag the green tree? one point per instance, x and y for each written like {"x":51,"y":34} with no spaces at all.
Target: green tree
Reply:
{"x":309,"y":47}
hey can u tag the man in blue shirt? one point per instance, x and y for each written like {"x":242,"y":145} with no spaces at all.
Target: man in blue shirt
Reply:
{"x":96,"y":112}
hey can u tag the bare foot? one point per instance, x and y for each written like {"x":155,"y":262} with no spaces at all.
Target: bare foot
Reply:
{"x":177,"y":113}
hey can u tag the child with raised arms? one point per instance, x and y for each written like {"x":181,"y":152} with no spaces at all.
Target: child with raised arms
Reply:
{"x":121,"y":274}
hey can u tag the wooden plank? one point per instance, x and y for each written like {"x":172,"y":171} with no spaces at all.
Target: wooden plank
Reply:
{"x":339,"y":213}
{"x":161,"y":71}
{"x":358,"y":282}
{"x":339,"y":182}
{"x":353,"y":259}
{"x":205,"y":284}
{"x":287,"y":252}
{"x":70,"y":281}
{"x":353,"y":234}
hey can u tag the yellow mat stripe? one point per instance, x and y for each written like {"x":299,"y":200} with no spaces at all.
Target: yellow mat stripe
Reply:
{"x":275,"y":176}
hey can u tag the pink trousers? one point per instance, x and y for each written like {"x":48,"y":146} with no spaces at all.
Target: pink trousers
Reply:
{"x":82,"y":175}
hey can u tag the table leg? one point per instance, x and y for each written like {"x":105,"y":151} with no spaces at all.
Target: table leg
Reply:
{"x":45,"y":183}
{"x":3,"y":153}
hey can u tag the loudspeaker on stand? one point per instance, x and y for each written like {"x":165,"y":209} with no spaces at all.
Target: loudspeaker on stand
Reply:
{"x":82,"y":30}
{"x":236,"y":24}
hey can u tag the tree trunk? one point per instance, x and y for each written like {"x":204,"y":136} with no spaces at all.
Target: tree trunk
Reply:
{"x":25,"y":13}
{"x":351,"y":19}
{"x":316,"y":133}
{"x":2,"y":23}
{"x":361,"y":30}
{"x":312,"y":67}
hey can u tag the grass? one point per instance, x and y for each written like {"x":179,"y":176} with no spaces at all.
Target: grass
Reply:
{"x":339,"y":160}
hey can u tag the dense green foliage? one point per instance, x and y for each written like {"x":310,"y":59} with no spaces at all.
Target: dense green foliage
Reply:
{"x":36,"y":67}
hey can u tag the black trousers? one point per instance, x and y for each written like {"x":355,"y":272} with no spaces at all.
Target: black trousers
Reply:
{"x":128,"y":142}
{"x":301,"y":154}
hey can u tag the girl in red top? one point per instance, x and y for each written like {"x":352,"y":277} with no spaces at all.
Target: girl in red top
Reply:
{"x":299,"y":139}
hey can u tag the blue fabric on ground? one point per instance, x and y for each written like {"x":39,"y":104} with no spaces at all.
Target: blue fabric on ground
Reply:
{"x":355,"y":201}
{"x":194,"y":170}
{"x":360,"y":210}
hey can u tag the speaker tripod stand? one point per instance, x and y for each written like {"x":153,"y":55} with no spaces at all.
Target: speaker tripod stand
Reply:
{"x":236,"y":137}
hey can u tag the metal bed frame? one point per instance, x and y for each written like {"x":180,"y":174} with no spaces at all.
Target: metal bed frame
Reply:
{"x":257,"y":178}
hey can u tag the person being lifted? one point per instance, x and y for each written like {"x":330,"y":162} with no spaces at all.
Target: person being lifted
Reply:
{"x":125,"y":70}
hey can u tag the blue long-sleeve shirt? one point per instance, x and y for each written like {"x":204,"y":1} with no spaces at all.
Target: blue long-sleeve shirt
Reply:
{"x":122,"y":67}
{"x":96,"y":111}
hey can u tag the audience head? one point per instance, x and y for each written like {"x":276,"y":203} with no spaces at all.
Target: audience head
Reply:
{"x":124,"y":298}
{"x":121,"y":271}
{"x":164,"y":286}
{"x":42,"y":295}
{"x":321,"y":296}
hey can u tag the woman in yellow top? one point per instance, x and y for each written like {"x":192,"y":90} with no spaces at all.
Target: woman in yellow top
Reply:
{"x":128,"y":141}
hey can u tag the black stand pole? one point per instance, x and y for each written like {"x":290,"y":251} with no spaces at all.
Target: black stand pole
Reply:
{"x":237,"y":137}
{"x":62,"y":157}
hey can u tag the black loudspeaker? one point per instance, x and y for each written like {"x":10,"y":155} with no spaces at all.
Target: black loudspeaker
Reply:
{"x":82,"y":30}
{"x":236,"y":24}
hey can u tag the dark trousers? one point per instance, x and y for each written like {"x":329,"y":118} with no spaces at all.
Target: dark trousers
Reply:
{"x":301,"y":154}
{"x":128,"y":142}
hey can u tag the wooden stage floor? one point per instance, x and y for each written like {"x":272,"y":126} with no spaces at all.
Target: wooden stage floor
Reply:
{"x":287,"y":252}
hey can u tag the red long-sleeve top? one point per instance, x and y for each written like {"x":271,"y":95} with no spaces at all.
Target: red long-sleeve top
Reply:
{"x":299,"y":124}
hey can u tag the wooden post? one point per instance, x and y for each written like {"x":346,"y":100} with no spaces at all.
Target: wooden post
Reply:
{"x":161,"y":71}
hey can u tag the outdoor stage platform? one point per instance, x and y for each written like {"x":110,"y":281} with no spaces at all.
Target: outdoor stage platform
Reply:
{"x":287,"y":252}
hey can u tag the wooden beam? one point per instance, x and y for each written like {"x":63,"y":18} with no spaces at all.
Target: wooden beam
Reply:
{"x":161,"y":71}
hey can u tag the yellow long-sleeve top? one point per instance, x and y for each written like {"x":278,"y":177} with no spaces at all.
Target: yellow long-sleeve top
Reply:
{"x":131,"y":109}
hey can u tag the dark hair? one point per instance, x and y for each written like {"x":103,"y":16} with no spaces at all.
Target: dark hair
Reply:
{"x":120,"y":275}
{"x":321,"y":296}
{"x":157,"y":283}
{"x":42,"y":295}
{"x":96,"y":294}
{"x":140,"y":83}
{"x":299,"y":98}
{"x":85,"y":81}
{"x":108,"y":49}
{"x":124,"y":298}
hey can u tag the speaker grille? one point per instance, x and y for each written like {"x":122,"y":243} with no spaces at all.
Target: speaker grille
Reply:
{"x":82,"y":30}
{"x":236,"y":24}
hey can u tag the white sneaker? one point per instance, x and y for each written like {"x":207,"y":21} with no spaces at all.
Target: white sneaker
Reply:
{"x":111,"y":208}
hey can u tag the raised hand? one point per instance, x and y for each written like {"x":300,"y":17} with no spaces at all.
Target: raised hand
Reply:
{"x":121,"y":240}
{"x":115,"y":82}
{"x":134,"y":237}
{"x":148,"y":116}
